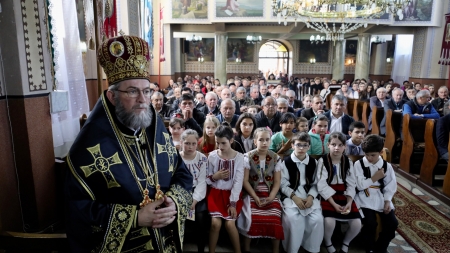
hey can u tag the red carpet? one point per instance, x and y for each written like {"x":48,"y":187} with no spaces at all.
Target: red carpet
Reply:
{"x":423,"y":227}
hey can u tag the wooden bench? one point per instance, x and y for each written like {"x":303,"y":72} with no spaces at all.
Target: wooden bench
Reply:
{"x":393,"y":137}
{"x":365,"y":114}
{"x":328,"y":100}
{"x":377,"y":117}
{"x":350,"y":106}
{"x":413,"y":143}
{"x":33,"y":242}
{"x":357,"y":110}
{"x":446,"y":186}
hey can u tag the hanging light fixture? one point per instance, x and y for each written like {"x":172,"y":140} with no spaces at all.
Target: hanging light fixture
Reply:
{"x":252,"y":39}
{"x":350,"y":14}
{"x":317,"y":39}
{"x":377,"y":40}
{"x":194,"y":39}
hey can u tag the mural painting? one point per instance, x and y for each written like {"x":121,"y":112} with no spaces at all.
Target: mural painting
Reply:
{"x":309,"y":51}
{"x":239,"y":49}
{"x":241,"y":8}
{"x":417,"y":10}
{"x":203,"y":48}
{"x":190,"y":9}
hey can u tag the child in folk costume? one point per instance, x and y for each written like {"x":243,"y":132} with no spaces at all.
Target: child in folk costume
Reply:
{"x":302,"y":216}
{"x":207,"y":143}
{"x":196,"y":163}
{"x":376,"y":182}
{"x":225,"y":177}
{"x":337,"y":186}
{"x":261,"y":214}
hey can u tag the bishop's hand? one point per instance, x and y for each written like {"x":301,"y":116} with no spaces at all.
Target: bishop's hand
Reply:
{"x":151,"y":216}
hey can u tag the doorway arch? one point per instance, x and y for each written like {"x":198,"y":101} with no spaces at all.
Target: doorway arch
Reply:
{"x":275,"y":57}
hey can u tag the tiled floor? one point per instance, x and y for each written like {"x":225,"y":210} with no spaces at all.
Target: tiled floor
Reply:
{"x":398,"y":244}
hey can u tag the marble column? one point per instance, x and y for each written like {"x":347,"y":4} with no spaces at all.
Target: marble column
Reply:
{"x":379,"y":61}
{"x":339,"y":60}
{"x":220,"y":56}
{"x":362,"y":56}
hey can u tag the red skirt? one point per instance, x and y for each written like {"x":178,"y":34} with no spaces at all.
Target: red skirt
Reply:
{"x":340,"y":199}
{"x":219,"y":201}
{"x":266,"y":220}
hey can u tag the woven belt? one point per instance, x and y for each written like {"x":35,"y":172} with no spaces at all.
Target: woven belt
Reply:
{"x":366,"y":191}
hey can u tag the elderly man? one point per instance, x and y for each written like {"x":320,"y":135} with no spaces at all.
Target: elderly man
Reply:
{"x":199,"y":100}
{"x":226,"y":93}
{"x":242,"y":100}
{"x":316,"y":108}
{"x":126,"y":184}
{"x":442,"y":132}
{"x":254,"y":94}
{"x":158,"y":103}
{"x":420,"y":108}
{"x":339,"y":121}
{"x":227,"y":109}
{"x":293,"y":102}
{"x":193,"y":118}
{"x":176,"y":95}
{"x":232,"y":88}
{"x":395,"y":103}
{"x":411,"y":93}
{"x":377,"y":101}
{"x":176,"y":103}
{"x":282,"y":106}
{"x":264,"y":91}
{"x":439,"y":102}
{"x":218,"y":90}
{"x":276,"y":93}
{"x":269,"y":116}
{"x":210,"y":107}
{"x":246,"y":85}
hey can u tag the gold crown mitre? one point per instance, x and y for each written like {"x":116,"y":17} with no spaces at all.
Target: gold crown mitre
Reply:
{"x":124,"y":57}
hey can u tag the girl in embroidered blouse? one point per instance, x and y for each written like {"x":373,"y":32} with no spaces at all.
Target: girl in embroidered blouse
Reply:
{"x":261,"y":213}
{"x":337,"y":186}
{"x":207,"y":143}
{"x":196,"y":163}
{"x":176,"y":128}
{"x":281,"y":141}
{"x":225,"y":176}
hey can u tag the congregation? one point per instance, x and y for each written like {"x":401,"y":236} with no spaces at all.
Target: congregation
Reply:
{"x":271,"y":159}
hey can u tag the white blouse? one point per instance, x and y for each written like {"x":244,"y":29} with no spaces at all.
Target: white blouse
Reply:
{"x":376,"y":198}
{"x":197,"y":167}
{"x":325,"y":190}
{"x":236,"y":177}
{"x":287,"y":190}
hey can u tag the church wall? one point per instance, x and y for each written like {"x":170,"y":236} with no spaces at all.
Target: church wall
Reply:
{"x":10,"y":219}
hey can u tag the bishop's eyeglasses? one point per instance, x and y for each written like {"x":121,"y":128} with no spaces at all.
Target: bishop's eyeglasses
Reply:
{"x":134,"y":93}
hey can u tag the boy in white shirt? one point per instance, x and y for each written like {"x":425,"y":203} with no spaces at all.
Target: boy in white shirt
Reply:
{"x":376,"y":183}
{"x":302,"y":215}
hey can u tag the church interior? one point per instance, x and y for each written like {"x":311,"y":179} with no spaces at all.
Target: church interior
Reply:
{"x":50,"y":80}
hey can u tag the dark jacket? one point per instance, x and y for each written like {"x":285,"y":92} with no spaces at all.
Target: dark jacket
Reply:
{"x":263,"y":121}
{"x":346,"y":121}
{"x":308,"y":113}
{"x":194,"y":123}
{"x":233,"y":121}
{"x":297,"y":104}
{"x":390,"y":104}
{"x":238,"y":145}
{"x":438,"y":104}
{"x":205,"y":110}
{"x":428,"y":111}
{"x":442,"y":132}
{"x":165,"y":111}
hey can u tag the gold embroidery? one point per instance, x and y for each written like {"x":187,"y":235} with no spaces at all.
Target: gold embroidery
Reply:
{"x":82,"y":183}
{"x":145,"y":247}
{"x":121,"y":219}
{"x":169,"y":149}
{"x":183,"y":200}
{"x":138,"y":233}
{"x":102,"y":164}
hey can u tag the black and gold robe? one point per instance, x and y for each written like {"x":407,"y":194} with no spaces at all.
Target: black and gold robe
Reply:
{"x":102,"y":192}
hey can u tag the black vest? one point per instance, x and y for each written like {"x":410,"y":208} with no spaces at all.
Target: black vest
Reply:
{"x":345,"y":166}
{"x":367,"y":174}
{"x":294,"y":174}
{"x":414,"y":107}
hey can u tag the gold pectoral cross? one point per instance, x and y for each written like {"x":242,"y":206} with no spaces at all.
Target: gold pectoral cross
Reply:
{"x":102,"y":164}
{"x":169,"y":149}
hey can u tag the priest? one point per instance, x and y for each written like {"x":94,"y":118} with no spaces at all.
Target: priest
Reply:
{"x":127,"y":189}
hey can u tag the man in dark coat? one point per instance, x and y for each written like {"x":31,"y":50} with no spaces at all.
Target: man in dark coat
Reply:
{"x":269,"y":116}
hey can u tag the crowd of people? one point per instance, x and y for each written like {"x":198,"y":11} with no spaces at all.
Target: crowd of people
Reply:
{"x":251,"y":142}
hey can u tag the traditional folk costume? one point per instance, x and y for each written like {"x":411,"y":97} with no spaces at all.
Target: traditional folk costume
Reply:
{"x":301,"y":227}
{"x":114,"y":170}
{"x":265,"y":221}
{"x":197,"y":167}
{"x":224,"y":193}
{"x":337,"y":181}
{"x":371,"y":197}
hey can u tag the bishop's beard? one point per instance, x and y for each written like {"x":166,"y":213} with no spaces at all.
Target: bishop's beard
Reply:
{"x":131,"y":119}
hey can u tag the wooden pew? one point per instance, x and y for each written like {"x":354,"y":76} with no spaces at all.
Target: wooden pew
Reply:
{"x":446,"y":187}
{"x":377,"y":117}
{"x":33,"y":242}
{"x":365,"y":114}
{"x":350,"y":106}
{"x":393,"y":126}
{"x":328,"y":100}
{"x":413,"y":142}
{"x":357,"y":110}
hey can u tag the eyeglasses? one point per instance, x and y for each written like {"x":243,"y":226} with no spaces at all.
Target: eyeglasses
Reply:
{"x":134,"y":93}
{"x":298,"y":145}
{"x":270,"y":105}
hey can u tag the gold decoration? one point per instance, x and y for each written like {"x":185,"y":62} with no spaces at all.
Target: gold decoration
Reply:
{"x":169,"y":149}
{"x":102,"y":164}
{"x":121,"y":219}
